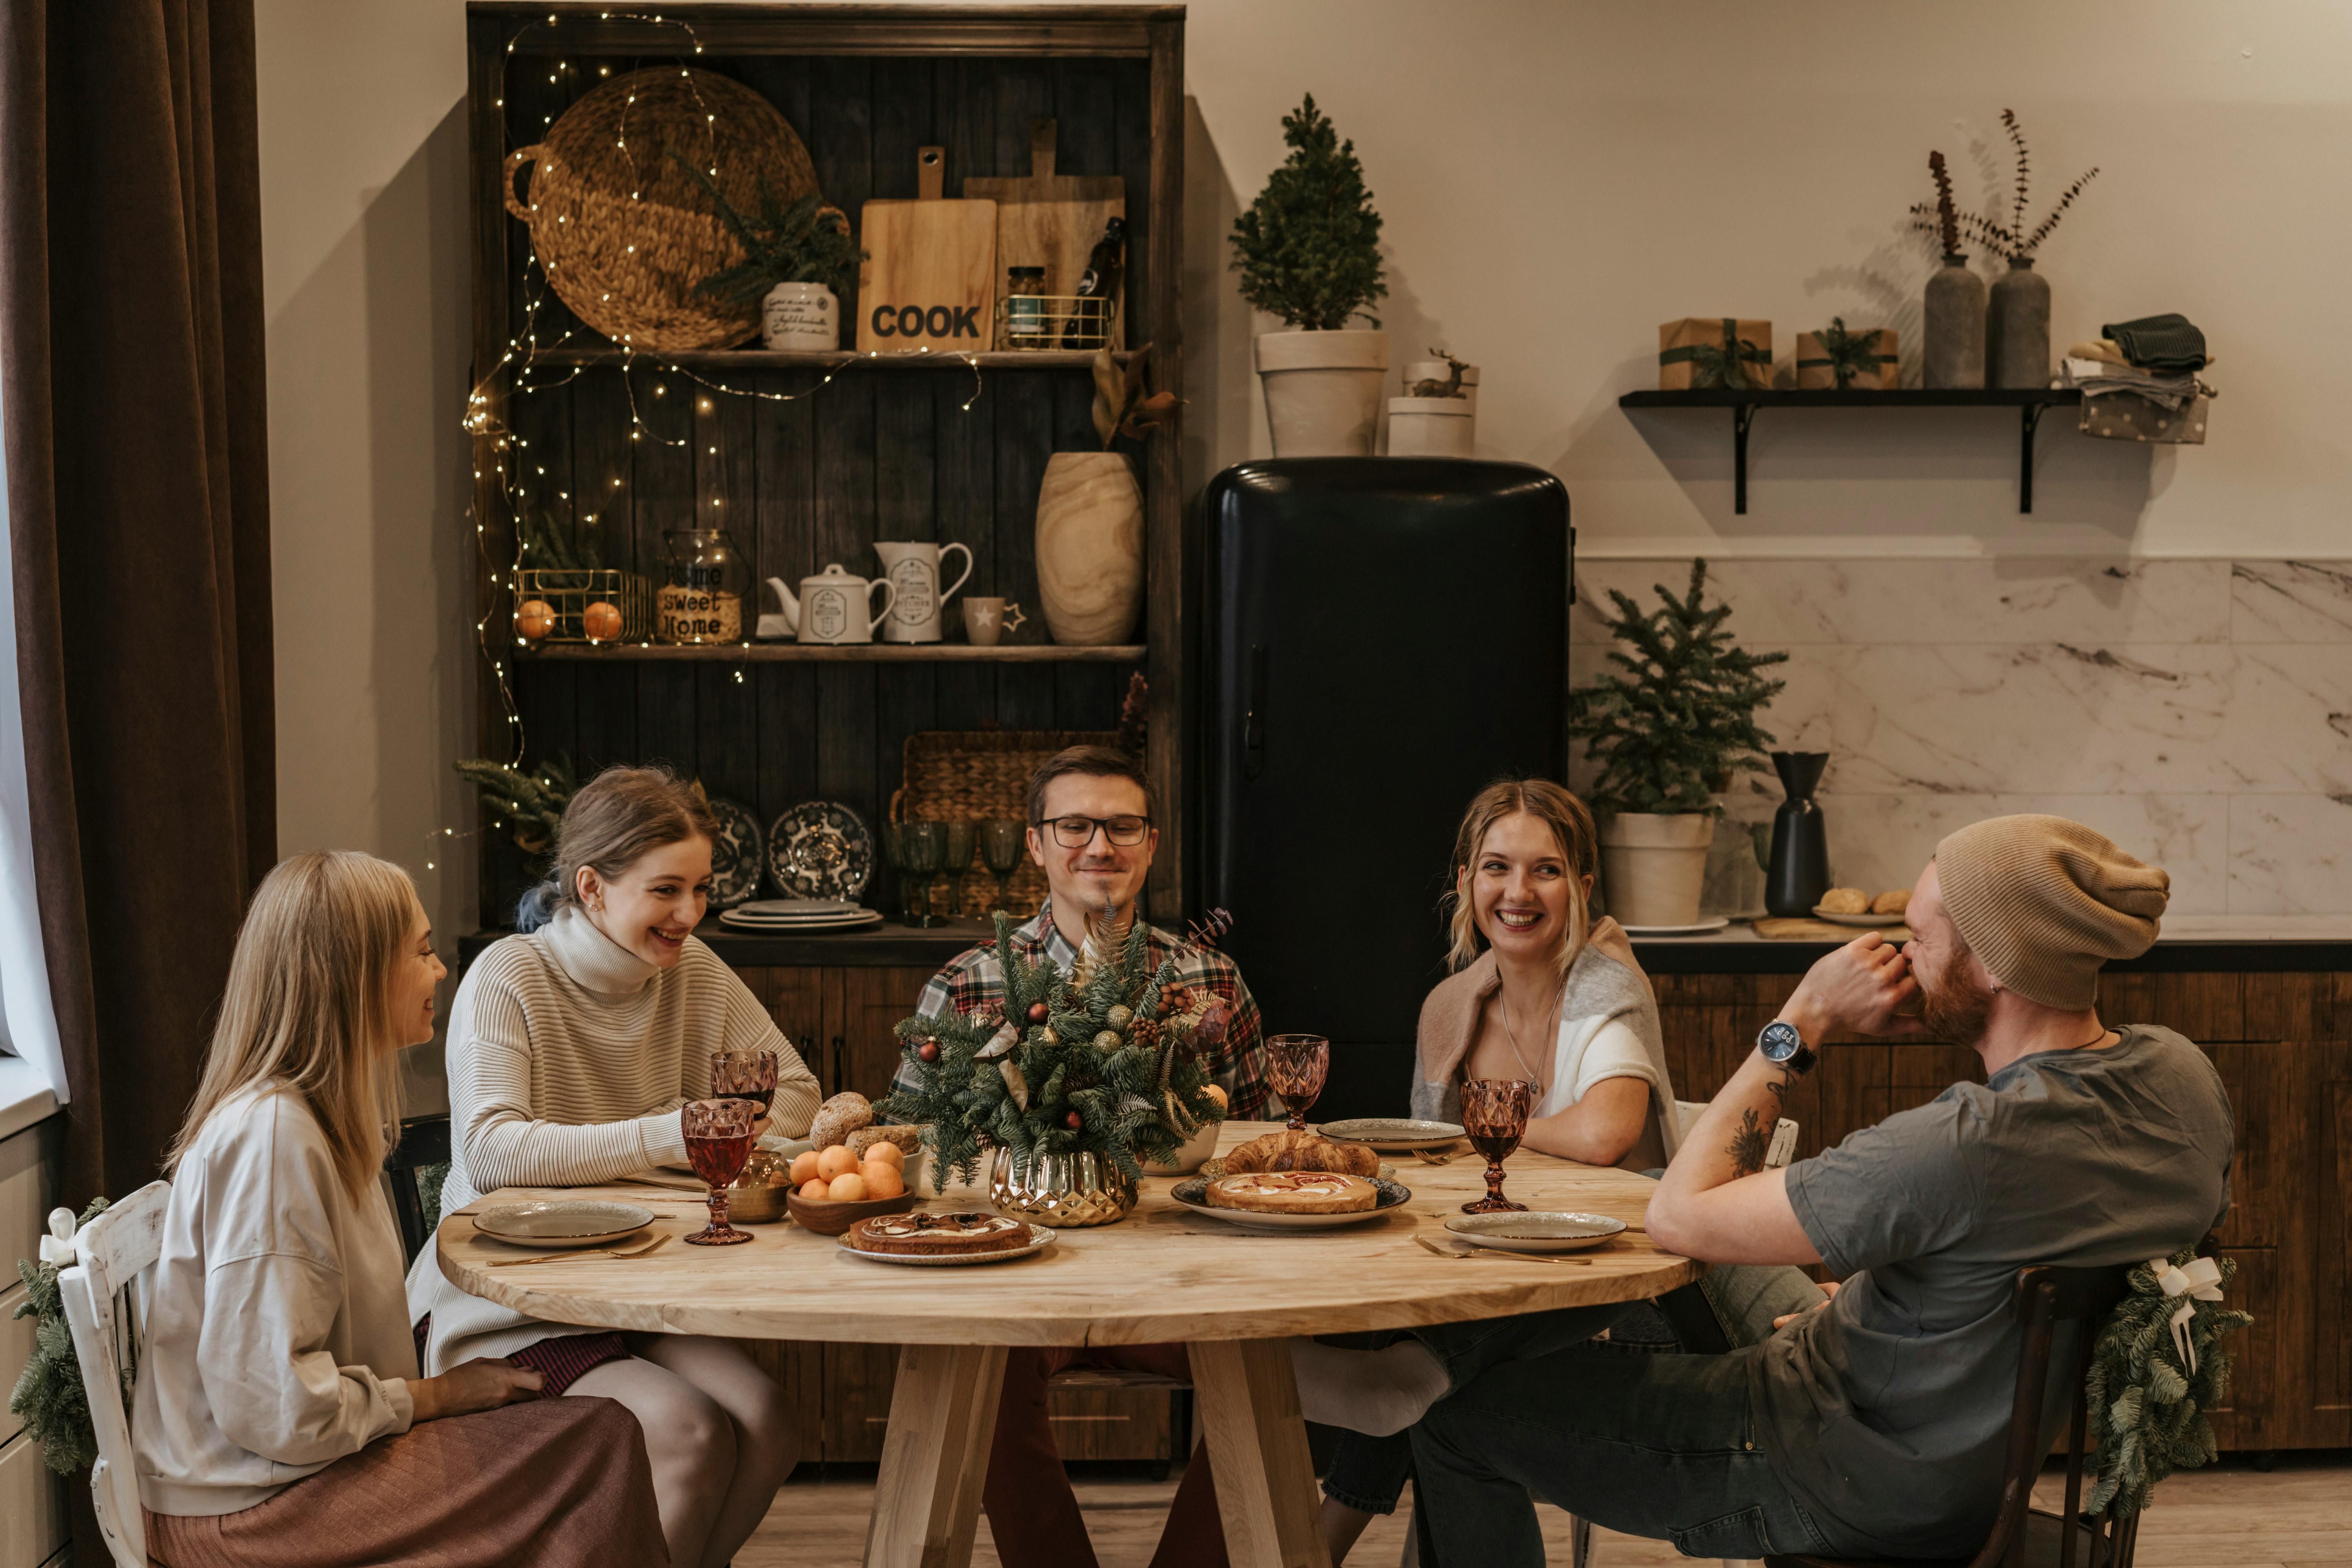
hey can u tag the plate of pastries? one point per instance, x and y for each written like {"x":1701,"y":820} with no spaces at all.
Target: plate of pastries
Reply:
{"x":1293,"y":1181}
{"x":1854,"y":906}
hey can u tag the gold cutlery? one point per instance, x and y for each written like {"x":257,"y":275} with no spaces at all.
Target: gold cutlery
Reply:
{"x":620,"y":1255}
{"x":1464,"y":1253}
{"x":1434,"y":1157}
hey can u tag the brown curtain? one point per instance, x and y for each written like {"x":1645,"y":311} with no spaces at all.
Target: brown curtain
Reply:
{"x":132,"y":395}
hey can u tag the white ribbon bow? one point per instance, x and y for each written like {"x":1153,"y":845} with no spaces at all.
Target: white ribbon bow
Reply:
{"x":58,"y":1249}
{"x":2200,"y":1281}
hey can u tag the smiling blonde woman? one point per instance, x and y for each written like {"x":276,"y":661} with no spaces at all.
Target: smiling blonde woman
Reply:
{"x":572,"y":1048}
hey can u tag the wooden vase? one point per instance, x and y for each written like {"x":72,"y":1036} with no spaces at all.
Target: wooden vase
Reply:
{"x":1090,"y":548}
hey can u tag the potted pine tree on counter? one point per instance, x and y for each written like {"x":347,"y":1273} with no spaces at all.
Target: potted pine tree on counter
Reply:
{"x":1309,"y":251}
{"x":1668,"y":727}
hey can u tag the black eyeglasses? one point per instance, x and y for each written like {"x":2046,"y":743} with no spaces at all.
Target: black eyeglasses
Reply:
{"x":1077,"y":832}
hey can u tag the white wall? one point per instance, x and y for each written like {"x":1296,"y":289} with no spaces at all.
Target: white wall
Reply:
{"x":1556,"y":179}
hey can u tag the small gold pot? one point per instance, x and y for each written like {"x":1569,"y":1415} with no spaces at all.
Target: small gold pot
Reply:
{"x":1079,"y":1189}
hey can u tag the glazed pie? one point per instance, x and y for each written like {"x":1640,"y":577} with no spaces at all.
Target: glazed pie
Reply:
{"x":1293,"y":1192}
{"x":936,"y":1234}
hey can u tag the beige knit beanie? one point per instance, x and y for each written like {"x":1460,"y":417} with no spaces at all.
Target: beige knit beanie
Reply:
{"x":2044,"y":902}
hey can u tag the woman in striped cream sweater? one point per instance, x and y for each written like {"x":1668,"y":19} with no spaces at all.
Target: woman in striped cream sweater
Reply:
{"x":571,"y":1047}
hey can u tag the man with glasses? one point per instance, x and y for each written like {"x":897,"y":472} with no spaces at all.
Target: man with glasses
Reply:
{"x":1090,"y":829}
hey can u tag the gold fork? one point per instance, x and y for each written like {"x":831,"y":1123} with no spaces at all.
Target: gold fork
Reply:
{"x":638,"y":1251}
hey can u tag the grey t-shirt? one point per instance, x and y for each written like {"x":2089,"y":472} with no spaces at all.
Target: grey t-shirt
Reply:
{"x":1885,"y":1411}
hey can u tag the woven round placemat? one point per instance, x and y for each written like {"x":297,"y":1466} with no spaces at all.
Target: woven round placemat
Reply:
{"x":624,"y":234}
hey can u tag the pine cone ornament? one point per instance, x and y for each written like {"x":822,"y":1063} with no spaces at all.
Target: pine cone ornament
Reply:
{"x":1144,"y":1032}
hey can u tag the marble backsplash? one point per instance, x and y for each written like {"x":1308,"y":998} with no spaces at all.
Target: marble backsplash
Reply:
{"x":2198,"y":712}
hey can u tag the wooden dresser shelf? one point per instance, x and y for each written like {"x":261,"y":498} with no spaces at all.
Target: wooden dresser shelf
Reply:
{"x":822,"y":358}
{"x":835,"y":653}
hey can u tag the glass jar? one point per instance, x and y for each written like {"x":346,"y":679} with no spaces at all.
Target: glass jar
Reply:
{"x":1025,"y":307}
{"x":704,"y":584}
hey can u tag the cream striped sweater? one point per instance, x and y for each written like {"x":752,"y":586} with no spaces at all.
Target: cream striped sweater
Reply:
{"x":568,"y":1059}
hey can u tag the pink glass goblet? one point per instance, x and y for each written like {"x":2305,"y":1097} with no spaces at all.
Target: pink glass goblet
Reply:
{"x":1295,"y":1067}
{"x":718,"y":1141}
{"x":1495,"y":1115}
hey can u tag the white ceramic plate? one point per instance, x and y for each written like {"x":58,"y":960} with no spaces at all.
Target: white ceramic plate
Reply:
{"x":1535,"y":1231}
{"x":835,"y":922}
{"x":568,"y":1222}
{"x":801,"y":908}
{"x":1040,"y":1239}
{"x":1392,"y":1135}
{"x":1713,"y":922}
{"x":1861,"y":920}
{"x":1192,"y":1195}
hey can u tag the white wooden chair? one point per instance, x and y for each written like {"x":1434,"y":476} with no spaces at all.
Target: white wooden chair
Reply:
{"x":1782,"y":1149}
{"x":105,"y":1293}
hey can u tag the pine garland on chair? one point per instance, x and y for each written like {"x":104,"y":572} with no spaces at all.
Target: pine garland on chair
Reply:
{"x":2147,"y":1403}
{"x":1105,"y":1061}
{"x":49,"y":1397}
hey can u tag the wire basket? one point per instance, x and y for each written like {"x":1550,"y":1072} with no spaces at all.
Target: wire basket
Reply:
{"x":1041,"y":322}
{"x":570,"y":593}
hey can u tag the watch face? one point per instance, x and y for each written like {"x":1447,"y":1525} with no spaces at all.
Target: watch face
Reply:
{"x":1778,"y":1041}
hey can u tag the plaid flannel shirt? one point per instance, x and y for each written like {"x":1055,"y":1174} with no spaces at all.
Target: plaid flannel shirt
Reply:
{"x":977,"y":980}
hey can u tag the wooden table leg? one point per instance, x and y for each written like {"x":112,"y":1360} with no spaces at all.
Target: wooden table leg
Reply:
{"x":1258,"y":1443}
{"x":935,"y":1457}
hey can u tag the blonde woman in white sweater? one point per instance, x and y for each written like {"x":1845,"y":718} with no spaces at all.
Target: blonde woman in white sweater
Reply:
{"x":572,"y":1047}
{"x":278,"y":1404}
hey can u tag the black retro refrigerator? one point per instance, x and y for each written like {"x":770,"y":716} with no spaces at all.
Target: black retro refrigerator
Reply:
{"x":1384,"y":637}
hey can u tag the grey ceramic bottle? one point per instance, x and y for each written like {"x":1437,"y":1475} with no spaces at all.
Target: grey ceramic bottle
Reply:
{"x":2017,"y":328}
{"x":1800,"y":872}
{"x":1954,"y":355}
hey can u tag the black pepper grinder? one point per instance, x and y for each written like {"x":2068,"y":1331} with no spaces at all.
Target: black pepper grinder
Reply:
{"x":1800,"y":872}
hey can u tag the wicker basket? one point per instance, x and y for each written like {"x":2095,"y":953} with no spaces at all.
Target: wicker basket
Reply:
{"x":973,"y":775}
{"x":624,"y":233}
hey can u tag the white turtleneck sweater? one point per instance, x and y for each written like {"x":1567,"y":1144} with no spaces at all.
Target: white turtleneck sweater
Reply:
{"x":568,"y":1059}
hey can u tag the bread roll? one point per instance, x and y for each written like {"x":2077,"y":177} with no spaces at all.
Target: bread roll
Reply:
{"x":1891,"y":903}
{"x":1844,"y":901}
{"x":1288,"y":1151}
{"x":906,"y":1139}
{"x":839,"y":1117}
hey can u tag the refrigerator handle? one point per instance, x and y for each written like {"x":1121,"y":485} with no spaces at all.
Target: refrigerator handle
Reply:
{"x":1254,"y":718}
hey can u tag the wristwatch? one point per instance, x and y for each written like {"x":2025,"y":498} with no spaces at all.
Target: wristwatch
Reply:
{"x":1782,"y":1046}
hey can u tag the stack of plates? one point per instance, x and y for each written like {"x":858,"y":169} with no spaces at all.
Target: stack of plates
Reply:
{"x":800,"y":914}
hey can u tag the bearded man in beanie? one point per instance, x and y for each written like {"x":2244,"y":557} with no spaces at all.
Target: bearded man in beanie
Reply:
{"x":1873,"y":1424}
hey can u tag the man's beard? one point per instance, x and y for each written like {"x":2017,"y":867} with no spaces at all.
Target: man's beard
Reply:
{"x":1959,"y":1010}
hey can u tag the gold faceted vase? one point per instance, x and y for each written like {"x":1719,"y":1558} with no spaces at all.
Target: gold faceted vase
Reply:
{"x":1061,"y":1189}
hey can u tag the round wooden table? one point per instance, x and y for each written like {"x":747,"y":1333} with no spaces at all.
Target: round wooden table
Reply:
{"x":1162,"y":1274}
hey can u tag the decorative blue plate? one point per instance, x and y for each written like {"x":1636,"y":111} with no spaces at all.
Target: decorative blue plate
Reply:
{"x":736,"y":857}
{"x":819,"y":850}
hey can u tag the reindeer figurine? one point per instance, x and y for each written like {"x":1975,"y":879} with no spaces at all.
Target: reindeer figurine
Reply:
{"x":1450,"y":387}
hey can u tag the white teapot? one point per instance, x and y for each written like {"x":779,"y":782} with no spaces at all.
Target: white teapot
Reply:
{"x":832,"y":607}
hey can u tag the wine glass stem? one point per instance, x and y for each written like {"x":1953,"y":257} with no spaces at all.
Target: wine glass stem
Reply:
{"x":718,"y":1225}
{"x":1494,"y":1181}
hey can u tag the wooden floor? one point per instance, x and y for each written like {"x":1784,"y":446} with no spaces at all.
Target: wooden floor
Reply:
{"x":2233,"y":1516}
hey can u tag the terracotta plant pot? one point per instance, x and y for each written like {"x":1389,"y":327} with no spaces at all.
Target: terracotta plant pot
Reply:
{"x":1323,"y":391}
{"x":1090,"y":548}
{"x":1653,"y":868}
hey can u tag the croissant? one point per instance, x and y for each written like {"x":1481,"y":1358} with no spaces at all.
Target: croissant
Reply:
{"x":1288,"y":1151}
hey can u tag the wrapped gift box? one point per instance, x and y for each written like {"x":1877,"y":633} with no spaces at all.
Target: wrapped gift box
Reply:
{"x":1694,"y":351}
{"x":1816,"y":369}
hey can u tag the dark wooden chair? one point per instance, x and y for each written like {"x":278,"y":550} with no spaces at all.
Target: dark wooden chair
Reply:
{"x":424,"y":1141}
{"x":2022,"y":1535}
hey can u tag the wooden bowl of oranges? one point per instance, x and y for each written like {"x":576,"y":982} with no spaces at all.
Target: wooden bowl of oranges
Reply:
{"x":832,"y":1189}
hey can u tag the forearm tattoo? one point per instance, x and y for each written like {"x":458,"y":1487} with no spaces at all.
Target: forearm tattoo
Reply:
{"x":1748,"y":1145}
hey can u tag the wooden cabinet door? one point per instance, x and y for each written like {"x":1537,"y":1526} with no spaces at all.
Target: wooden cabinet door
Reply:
{"x":871,"y":1003}
{"x":796,"y":997}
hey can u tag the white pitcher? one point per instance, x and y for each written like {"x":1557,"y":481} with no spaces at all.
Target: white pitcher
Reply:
{"x":831,"y":607}
{"x":913,"y":568}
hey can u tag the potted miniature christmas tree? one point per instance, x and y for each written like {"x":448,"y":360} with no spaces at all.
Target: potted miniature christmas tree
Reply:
{"x":1667,"y":729}
{"x":1309,"y":251}
{"x":1071,"y":1086}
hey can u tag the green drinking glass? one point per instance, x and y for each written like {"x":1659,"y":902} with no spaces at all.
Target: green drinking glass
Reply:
{"x":915,"y":851}
{"x":1000,"y":844}
{"x":955,"y":841}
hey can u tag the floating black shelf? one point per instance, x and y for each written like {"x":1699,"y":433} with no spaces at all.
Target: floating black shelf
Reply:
{"x":2029,"y":401}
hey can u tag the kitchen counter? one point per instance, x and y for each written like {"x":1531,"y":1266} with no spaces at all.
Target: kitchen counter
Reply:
{"x":2266,"y":943}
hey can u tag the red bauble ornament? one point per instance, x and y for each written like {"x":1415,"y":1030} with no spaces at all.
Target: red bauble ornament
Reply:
{"x":1038,"y":1012}
{"x":1073,"y":1122}
{"x":928,"y":1050}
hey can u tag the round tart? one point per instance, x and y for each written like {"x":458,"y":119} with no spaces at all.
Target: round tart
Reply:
{"x":939,"y":1235}
{"x":1293,"y":1192}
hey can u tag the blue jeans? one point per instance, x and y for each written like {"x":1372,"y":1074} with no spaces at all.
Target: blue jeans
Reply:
{"x":1657,"y":1446}
{"x":1369,"y":1473}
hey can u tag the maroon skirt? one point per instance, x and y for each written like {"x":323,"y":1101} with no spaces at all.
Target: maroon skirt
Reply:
{"x":562,"y":1360}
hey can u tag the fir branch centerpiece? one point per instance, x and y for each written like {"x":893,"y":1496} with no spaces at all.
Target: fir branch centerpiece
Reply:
{"x":1675,"y":717}
{"x":1105,"y":1059}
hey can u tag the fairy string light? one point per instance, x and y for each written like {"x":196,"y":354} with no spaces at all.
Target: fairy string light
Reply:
{"x":530,"y":367}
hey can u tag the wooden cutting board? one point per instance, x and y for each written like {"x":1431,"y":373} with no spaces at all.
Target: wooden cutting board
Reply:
{"x":1801,"y":928}
{"x":928,"y":279}
{"x":1051,"y":220}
